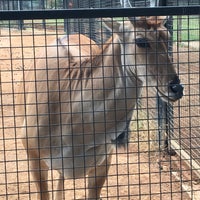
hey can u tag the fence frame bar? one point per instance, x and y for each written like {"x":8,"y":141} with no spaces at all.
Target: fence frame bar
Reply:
{"x":100,"y":12}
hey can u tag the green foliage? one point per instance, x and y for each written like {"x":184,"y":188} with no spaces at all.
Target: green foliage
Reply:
{"x":186,"y":28}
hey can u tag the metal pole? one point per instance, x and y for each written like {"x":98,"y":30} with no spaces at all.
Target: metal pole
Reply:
{"x":42,"y":6}
{"x":65,"y":3}
{"x":164,"y":109}
{"x":20,"y":22}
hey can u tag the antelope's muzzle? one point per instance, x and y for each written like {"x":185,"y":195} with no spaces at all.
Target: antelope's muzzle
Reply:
{"x":176,"y":87}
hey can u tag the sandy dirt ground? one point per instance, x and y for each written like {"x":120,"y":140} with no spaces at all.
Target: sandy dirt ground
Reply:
{"x":135,"y":174}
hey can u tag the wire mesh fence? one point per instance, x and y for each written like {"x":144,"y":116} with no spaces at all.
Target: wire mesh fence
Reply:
{"x":76,"y":110}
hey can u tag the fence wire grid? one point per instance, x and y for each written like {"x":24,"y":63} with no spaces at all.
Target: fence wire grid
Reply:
{"x":71,"y":91}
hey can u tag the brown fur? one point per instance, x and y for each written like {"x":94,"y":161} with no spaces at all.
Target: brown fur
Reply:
{"x":74,"y":106}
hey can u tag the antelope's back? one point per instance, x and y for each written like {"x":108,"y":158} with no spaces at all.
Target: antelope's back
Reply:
{"x":38,"y":93}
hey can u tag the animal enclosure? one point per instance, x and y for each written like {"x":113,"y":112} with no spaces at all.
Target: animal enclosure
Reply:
{"x":158,"y":162}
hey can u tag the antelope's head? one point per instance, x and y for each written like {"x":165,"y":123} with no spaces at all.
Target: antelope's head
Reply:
{"x":145,"y":54}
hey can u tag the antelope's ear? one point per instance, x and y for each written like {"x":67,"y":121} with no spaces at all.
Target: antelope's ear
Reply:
{"x":156,"y":20}
{"x":148,"y":22}
{"x":111,"y":25}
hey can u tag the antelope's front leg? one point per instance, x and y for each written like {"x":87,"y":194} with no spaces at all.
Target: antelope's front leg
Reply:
{"x":40,"y":176}
{"x":39,"y":171}
{"x":96,"y":179}
{"x":59,"y":194}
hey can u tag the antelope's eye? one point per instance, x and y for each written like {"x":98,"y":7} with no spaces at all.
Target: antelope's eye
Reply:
{"x":142,"y":42}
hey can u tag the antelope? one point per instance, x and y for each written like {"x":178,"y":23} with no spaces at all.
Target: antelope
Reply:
{"x":77,"y":110}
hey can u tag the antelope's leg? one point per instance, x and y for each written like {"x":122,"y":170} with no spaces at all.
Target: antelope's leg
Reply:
{"x":97,"y":177}
{"x":39,"y":172}
{"x":59,"y":195}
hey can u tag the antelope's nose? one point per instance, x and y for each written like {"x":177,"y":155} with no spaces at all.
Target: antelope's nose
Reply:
{"x":176,"y":88}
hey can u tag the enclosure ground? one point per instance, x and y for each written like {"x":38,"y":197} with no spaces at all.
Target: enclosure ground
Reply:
{"x":133,"y":175}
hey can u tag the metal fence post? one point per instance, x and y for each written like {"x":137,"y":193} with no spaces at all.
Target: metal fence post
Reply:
{"x":164,"y":109}
{"x":65,"y":6}
{"x":42,"y":6}
{"x":20,"y":22}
